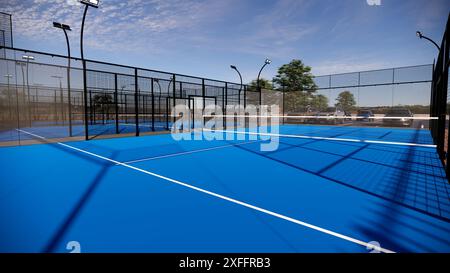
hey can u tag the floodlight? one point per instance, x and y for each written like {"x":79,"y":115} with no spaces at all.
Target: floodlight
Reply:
{"x":61,"y":26}
{"x":28,"y":58}
{"x":66,"y":27}
{"x":421,"y":36}
{"x":91,"y":3}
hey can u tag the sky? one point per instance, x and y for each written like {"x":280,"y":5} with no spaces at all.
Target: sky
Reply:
{"x":203,"y":37}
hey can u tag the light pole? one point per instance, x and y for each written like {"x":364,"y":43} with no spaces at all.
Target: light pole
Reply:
{"x":168,"y":86}
{"x":21,"y":64}
{"x":8,"y":76}
{"x":66,"y":28}
{"x":421,"y":36}
{"x":240,"y":77}
{"x":266,"y":62}
{"x":28,"y":58}
{"x":61,"y":96}
{"x":94,"y":4}
{"x":159,"y":86}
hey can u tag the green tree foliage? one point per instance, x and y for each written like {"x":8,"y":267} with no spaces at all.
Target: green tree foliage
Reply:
{"x":319,"y":102}
{"x":265,"y":84}
{"x":346,"y":101}
{"x":295,"y":76}
{"x":296,"y":80}
{"x":104,"y":104}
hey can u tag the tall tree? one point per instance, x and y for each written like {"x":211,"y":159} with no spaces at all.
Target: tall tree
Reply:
{"x":295,"y":76}
{"x":296,"y":80}
{"x":346,"y":101}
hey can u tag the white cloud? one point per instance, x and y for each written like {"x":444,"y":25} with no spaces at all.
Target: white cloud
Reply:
{"x":116,"y":25}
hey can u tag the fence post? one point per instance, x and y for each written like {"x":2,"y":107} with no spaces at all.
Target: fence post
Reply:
{"x":116,"y":103}
{"x":153,"y":105}
{"x":174,"y":90}
{"x":245,"y":96}
{"x":204,"y":101}
{"x":86,"y":119}
{"x":136,"y":100}
{"x":446,"y":62}
{"x":225,"y":107}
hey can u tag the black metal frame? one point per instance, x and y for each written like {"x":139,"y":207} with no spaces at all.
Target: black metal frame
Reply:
{"x":168,"y":109}
{"x":116,"y":71}
{"x":439,"y":99}
{"x":116,"y":65}
{"x":192,"y":99}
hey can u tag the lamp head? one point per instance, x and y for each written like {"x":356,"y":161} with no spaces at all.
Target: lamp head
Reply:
{"x":233,"y":67}
{"x":61,"y":26}
{"x":66,"y":27}
{"x":268,"y":61}
{"x":27,"y":57}
{"x":91,"y":3}
{"x":419,"y":34}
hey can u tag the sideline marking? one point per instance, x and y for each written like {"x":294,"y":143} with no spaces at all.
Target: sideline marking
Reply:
{"x":226,"y":198}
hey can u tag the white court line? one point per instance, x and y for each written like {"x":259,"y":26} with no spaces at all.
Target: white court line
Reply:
{"x":226,"y":198}
{"x":141,"y":125}
{"x":190,"y":152}
{"x":320,"y":117}
{"x":327,"y":138}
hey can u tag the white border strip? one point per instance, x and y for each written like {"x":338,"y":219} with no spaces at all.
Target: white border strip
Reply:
{"x":320,"y":117}
{"x":140,"y":125}
{"x":223,"y":197}
{"x":326,"y":138}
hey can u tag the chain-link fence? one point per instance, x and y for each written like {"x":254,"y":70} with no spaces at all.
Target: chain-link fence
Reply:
{"x":36,"y":100}
{"x":396,"y":97}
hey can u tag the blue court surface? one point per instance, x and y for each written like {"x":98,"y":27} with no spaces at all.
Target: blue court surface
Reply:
{"x":334,"y":189}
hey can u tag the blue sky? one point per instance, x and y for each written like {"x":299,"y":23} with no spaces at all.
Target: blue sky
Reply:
{"x":203,"y":37}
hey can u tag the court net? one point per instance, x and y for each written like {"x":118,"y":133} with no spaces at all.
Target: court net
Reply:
{"x":377,"y":129}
